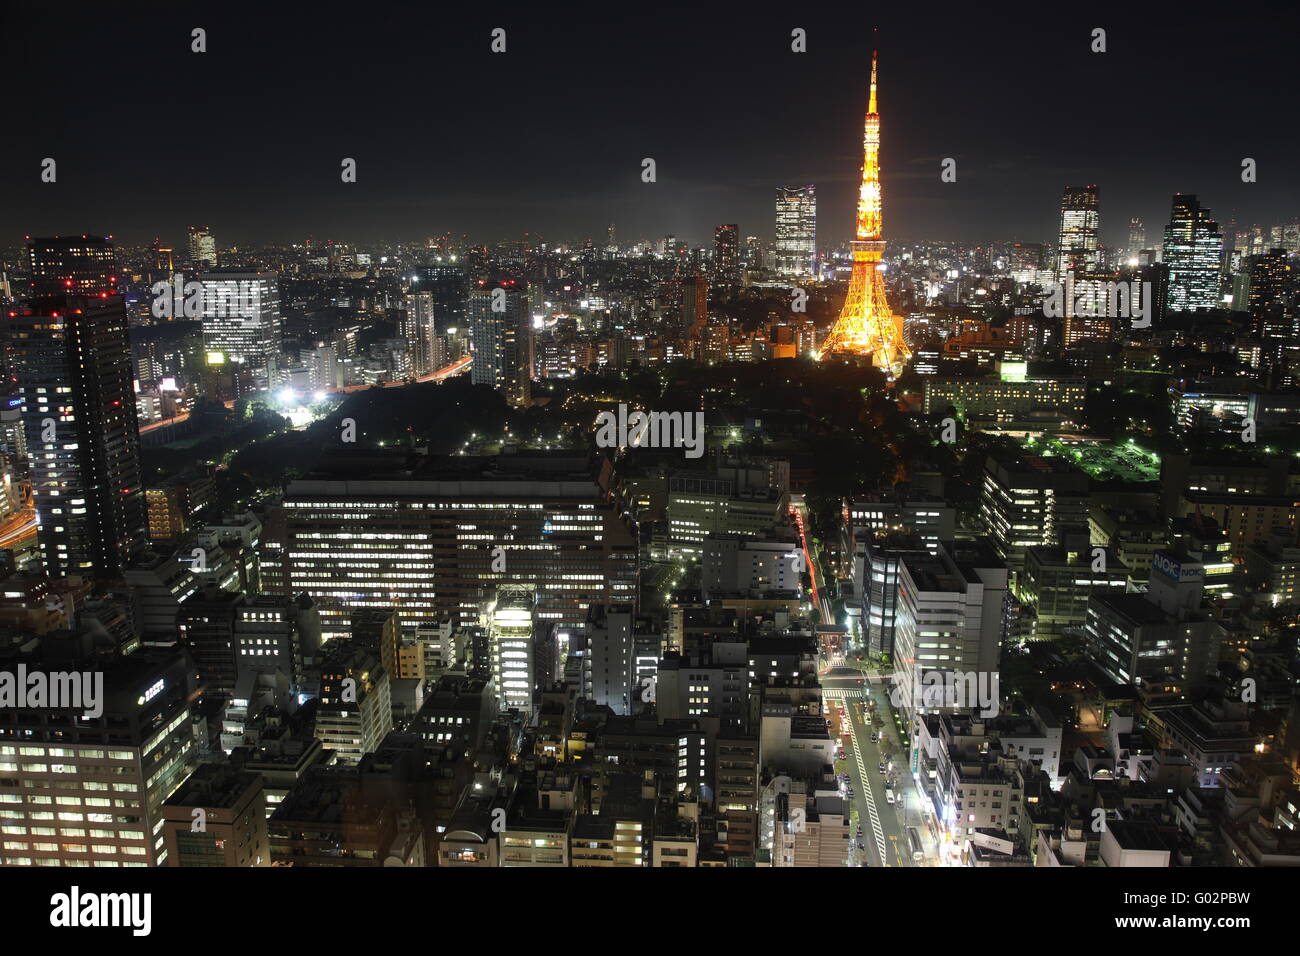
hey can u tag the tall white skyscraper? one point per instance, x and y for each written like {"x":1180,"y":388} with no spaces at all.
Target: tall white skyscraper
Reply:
{"x":510,"y":638}
{"x":502,"y":340}
{"x":949,"y":619}
{"x":417,"y":328}
{"x":796,"y":230}
{"x":241,"y":319}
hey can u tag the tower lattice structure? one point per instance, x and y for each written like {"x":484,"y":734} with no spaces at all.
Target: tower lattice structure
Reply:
{"x":866,"y":325}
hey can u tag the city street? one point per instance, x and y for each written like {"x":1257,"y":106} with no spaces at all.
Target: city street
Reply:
{"x":884,"y":826}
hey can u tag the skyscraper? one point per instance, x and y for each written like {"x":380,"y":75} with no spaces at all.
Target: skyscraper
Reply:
{"x":695,"y":302}
{"x":511,"y":637}
{"x":1077,"y":249}
{"x":1137,"y":236}
{"x":501,"y":334}
{"x":1268,"y":280}
{"x":71,"y":353}
{"x":61,"y":764}
{"x":1193,"y":247}
{"x":417,"y":328}
{"x":726,"y":254}
{"x":446,"y":283}
{"x":202,"y":248}
{"x":72,"y":265}
{"x":241,"y":320}
{"x":796,"y":230}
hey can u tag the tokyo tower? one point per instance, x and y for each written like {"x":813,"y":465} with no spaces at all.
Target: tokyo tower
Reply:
{"x":866,"y":325}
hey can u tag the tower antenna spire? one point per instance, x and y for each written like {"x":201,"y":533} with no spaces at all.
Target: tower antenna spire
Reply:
{"x":871,"y":106}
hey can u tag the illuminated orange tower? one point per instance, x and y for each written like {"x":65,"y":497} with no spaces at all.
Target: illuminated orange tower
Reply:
{"x":866,"y":325}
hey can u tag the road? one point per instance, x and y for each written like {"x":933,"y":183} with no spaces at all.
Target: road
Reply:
{"x":884,"y":827}
{"x":446,"y":372}
{"x":799,"y":511}
{"x":164,"y":423}
{"x":19,"y":527}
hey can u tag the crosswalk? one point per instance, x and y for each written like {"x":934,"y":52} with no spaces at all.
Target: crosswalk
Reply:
{"x":843,"y":693}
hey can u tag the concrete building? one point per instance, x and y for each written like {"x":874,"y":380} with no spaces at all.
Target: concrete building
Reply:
{"x":742,"y":564}
{"x":1029,"y":500}
{"x":229,"y":827}
{"x":951,"y":620}
{"x":356,"y":709}
{"x":1058,"y":581}
{"x":510,"y":633}
{"x":431,"y":534}
{"x":931,"y":519}
{"x":811,"y":825}
{"x":140,"y":745}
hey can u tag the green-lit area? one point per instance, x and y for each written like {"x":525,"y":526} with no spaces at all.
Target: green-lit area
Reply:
{"x":1102,"y":460}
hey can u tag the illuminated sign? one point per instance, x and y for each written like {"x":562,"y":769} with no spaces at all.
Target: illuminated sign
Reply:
{"x":151,"y":693}
{"x":1174,"y":569}
{"x":1014,"y":371}
{"x":216,"y":358}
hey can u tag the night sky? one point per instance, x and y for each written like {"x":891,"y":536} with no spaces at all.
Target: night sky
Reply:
{"x":549,"y":137}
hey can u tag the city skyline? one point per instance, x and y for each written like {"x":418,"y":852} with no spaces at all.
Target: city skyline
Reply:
{"x":649,"y":439}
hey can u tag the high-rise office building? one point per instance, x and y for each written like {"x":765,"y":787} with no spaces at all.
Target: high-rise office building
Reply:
{"x":1192,"y":252}
{"x":72,"y":265}
{"x":416,"y":326}
{"x":695,"y":303}
{"x":356,"y":704}
{"x":1029,"y":500}
{"x":950,"y":618}
{"x":611,"y":656}
{"x":233,"y":830}
{"x":425,"y":538}
{"x":1137,"y":236}
{"x":510,"y":636}
{"x":445,"y":281}
{"x":502,"y":340}
{"x":726,"y":254}
{"x":70,"y":350}
{"x":1157,"y":636}
{"x":241,"y":319}
{"x":89,"y":791}
{"x":202,"y":248}
{"x":1268,"y":281}
{"x":1077,"y":249}
{"x":796,"y":230}
{"x":877,"y":561}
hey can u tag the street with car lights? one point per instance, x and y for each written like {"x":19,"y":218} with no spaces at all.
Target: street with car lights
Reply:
{"x":884,"y":825}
